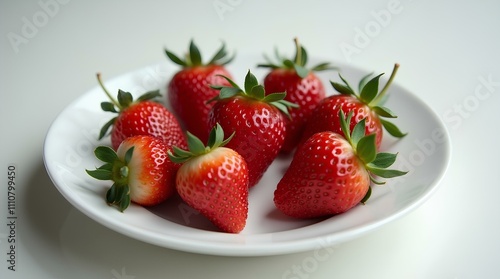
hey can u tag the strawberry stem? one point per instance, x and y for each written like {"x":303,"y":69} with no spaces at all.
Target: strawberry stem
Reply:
{"x":115,"y":102}
{"x":382,"y":93}
{"x":298,"y":57}
{"x":124,"y":171}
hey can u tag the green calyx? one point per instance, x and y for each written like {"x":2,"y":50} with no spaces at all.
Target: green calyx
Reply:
{"x":366,"y":150}
{"x":253,"y":90}
{"x":124,"y":100}
{"x":193,"y":57}
{"x":298,"y":63}
{"x":197,"y":148}
{"x":369,"y":95}
{"x":117,"y":170}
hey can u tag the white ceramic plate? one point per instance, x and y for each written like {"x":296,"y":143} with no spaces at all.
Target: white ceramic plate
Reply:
{"x":71,"y":139}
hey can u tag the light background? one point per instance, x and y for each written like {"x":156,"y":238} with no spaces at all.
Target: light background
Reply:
{"x":50,"y":51}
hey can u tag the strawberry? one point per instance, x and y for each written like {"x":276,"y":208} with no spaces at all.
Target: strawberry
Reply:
{"x":330,"y":173}
{"x":140,"y":117}
{"x":188,"y":91}
{"x":213,"y":180}
{"x":258,"y":120}
{"x":140,"y":169}
{"x":302,"y":86}
{"x":365,"y":105}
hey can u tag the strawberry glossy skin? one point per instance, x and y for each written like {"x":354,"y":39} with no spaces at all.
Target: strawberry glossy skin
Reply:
{"x":188,"y":93}
{"x":216,"y":184}
{"x":325,"y":117}
{"x":147,"y":118}
{"x":324,"y":178}
{"x":151,"y":173}
{"x":306,"y":92}
{"x":259,"y":131}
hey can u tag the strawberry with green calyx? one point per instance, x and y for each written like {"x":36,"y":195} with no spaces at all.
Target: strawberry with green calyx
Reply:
{"x":188,"y":91}
{"x":258,"y":120}
{"x":298,"y":64}
{"x":143,"y":116}
{"x":331,"y":174}
{"x":140,"y":169}
{"x":365,"y":105}
{"x":213,"y":179}
{"x":303,"y":87}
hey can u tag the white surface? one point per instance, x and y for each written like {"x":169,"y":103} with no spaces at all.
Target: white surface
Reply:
{"x":448,"y":53}
{"x":267,"y":232}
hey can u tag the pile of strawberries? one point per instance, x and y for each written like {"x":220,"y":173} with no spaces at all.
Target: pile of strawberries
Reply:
{"x":221,"y":138}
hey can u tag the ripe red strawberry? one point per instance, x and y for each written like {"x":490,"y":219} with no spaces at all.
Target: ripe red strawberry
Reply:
{"x":140,"y":169}
{"x":257,"y":119}
{"x":140,"y":117}
{"x":302,"y":87}
{"x":188,"y":91}
{"x":214,"y":180}
{"x":330,"y":173}
{"x":365,"y":105}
